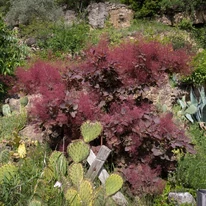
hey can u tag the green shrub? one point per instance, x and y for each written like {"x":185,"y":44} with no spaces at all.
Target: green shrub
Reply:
{"x":11,"y":125}
{"x":24,"y":11}
{"x":69,"y":39}
{"x":191,"y":171}
{"x":198,"y":76}
{"x":200,"y":35}
{"x":12,"y":52}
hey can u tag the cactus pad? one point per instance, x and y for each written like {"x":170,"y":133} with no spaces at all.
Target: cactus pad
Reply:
{"x":4,"y":156}
{"x":58,"y":163}
{"x":76,"y":173}
{"x":24,"y":101}
{"x":113,"y":183}
{"x":48,"y":174}
{"x":6,"y":110}
{"x":78,"y":150}
{"x":86,"y":192}
{"x":35,"y":203}
{"x":91,"y":130}
{"x":73,"y":197}
{"x":7,"y":171}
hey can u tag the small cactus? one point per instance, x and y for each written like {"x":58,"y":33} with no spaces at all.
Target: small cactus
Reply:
{"x":73,"y":197}
{"x":86,"y":192}
{"x":113,"y":183}
{"x":4,"y":156}
{"x":91,"y":130}
{"x":48,"y":174}
{"x":24,"y":101}
{"x":78,"y":150}
{"x":7,"y":171}
{"x":35,"y":203}
{"x":58,"y":163}
{"x":76,"y":173}
{"x":6,"y":110}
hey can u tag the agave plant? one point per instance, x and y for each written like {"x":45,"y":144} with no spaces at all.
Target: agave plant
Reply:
{"x":195,"y":109}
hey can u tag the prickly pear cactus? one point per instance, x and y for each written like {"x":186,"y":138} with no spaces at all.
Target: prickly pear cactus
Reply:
{"x":86,"y":192}
{"x":78,"y":150}
{"x":7,"y":171}
{"x":35,"y":203}
{"x":24,"y":101}
{"x":99,"y":196}
{"x":76,"y":173}
{"x":73,"y":197}
{"x":91,"y":130}
{"x":58,"y":163}
{"x":113,"y":183}
{"x":48,"y":174}
{"x":4,"y":156}
{"x":6,"y":110}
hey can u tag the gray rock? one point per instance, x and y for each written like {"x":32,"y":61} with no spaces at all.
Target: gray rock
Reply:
{"x":70,"y":17}
{"x":182,"y":198}
{"x":97,"y":14}
{"x":30,"y":41}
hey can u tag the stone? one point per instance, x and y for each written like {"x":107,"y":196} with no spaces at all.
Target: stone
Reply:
{"x":30,"y":41}
{"x":182,"y":198}
{"x":164,"y":19}
{"x":98,"y":13}
{"x":121,"y":17}
{"x":70,"y":17}
{"x":14,"y":104}
{"x":31,"y":133}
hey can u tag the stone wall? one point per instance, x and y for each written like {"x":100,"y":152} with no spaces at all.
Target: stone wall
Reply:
{"x":119,"y":15}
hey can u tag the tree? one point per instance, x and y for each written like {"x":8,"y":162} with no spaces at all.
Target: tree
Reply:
{"x":24,"y":11}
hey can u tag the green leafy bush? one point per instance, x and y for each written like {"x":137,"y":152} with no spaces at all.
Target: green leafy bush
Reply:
{"x":198,"y":76}
{"x":191,"y":171}
{"x":12,"y":52}
{"x":66,"y":39}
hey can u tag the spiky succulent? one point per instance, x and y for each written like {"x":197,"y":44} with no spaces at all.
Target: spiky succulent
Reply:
{"x":7,"y":172}
{"x":58,"y":163}
{"x":113,"y":184}
{"x":76,"y":173}
{"x":4,"y":156}
{"x":6,"y":110}
{"x":35,"y":203}
{"x":78,"y":150}
{"x":91,"y":130}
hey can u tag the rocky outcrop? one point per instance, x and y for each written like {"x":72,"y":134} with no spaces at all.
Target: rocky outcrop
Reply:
{"x":97,"y":14}
{"x":70,"y":17}
{"x":182,"y":198}
{"x":119,"y":15}
{"x":198,"y":17}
